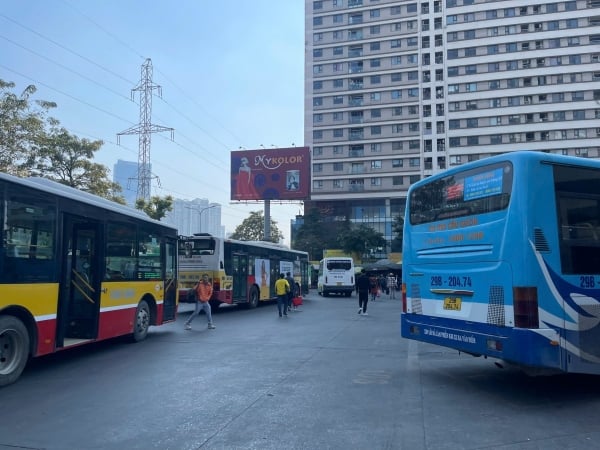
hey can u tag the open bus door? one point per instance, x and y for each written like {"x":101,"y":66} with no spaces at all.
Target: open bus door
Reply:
{"x":79,"y":301}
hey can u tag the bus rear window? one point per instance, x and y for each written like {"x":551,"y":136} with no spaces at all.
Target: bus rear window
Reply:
{"x":475,"y":191}
{"x":339,"y":265}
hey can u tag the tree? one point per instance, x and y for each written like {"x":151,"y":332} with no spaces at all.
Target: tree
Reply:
{"x":398,"y":228}
{"x":156,"y":207}
{"x":253,"y":229}
{"x":67,"y":159}
{"x":361,"y":240}
{"x":318,"y":233}
{"x":22,"y":126}
{"x":31,"y":143}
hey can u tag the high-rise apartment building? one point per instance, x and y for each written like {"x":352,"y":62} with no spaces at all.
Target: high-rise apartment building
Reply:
{"x":195,"y":216}
{"x":399,"y":90}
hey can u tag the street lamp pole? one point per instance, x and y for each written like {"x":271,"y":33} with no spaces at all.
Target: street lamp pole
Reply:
{"x":200,"y":211}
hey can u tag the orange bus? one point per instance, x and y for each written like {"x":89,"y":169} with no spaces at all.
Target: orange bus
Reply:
{"x":76,"y":268}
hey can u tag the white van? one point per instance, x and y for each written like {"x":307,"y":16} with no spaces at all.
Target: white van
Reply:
{"x":336,"y":276}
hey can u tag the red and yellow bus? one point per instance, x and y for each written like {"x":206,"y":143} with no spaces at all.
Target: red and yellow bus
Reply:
{"x":242,"y":272}
{"x":76,"y":268}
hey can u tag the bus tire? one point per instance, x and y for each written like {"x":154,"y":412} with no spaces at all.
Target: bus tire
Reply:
{"x":141,"y":323}
{"x":14,"y":349}
{"x":254,"y":298}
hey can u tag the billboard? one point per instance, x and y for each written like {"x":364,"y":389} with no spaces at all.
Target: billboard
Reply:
{"x":270,"y":174}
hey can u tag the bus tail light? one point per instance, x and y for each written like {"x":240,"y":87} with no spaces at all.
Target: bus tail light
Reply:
{"x":525,"y":305}
{"x":403,"y":297}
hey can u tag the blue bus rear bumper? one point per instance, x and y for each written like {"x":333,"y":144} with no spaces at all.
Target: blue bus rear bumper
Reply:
{"x":519,"y":346}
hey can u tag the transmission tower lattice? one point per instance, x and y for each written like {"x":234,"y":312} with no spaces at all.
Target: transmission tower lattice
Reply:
{"x":144,"y":129}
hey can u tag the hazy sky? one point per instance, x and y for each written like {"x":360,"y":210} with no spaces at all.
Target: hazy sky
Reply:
{"x":231,"y":74}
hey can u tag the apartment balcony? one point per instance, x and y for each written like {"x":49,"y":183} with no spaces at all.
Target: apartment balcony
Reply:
{"x":356,"y":153}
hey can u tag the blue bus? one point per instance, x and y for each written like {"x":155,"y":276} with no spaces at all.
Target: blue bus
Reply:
{"x":501,"y":258}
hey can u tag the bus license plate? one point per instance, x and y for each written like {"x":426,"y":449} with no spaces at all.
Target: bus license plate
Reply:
{"x":452,"y":303}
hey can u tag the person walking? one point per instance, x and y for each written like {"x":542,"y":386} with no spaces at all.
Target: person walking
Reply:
{"x":204,"y":290}
{"x":363,"y":285}
{"x":290,"y":279}
{"x":391,"y":284}
{"x":282,"y":288}
{"x":373,"y":287}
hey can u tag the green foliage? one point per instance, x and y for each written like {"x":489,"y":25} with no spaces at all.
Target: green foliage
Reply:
{"x":67,"y":159}
{"x":31,"y":143}
{"x":398,"y":229}
{"x":361,"y":240}
{"x":156,"y":207}
{"x":311,"y":236}
{"x":22,"y":125}
{"x":253,"y":229}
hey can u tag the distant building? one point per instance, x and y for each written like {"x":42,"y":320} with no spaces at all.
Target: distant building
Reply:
{"x":196,"y":216}
{"x":125,"y":174}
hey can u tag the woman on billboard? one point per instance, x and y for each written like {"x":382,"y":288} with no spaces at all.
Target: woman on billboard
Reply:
{"x":245,"y":182}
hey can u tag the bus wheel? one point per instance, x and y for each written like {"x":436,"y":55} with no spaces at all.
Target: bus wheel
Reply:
{"x":14,"y":349}
{"x":253,"y":302}
{"x":142,"y":321}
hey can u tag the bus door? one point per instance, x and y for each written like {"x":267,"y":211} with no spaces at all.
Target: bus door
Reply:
{"x":240,"y":276}
{"x":170,"y":280}
{"x":79,"y":301}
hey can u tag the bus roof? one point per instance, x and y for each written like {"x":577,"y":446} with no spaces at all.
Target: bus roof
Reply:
{"x":262,"y":244}
{"x":61,"y":190}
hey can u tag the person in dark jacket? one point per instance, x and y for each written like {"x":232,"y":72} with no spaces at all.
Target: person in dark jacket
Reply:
{"x":362,"y":287}
{"x":290,"y":279}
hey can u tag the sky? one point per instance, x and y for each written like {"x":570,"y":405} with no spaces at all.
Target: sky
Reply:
{"x":231,"y":74}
